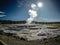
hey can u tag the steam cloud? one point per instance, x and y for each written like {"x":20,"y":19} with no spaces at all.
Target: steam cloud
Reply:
{"x":32,"y":13}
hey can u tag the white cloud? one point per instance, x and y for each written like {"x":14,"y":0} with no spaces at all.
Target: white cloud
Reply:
{"x":2,"y":14}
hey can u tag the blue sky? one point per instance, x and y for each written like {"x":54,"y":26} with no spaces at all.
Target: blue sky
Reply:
{"x":18,"y":10}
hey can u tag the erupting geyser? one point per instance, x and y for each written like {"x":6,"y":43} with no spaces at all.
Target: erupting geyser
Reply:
{"x":33,"y":12}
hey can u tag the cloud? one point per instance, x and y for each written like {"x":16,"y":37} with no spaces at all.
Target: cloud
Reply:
{"x":2,"y":14}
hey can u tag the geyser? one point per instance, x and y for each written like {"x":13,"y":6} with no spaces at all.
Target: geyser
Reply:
{"x":33,"y":11}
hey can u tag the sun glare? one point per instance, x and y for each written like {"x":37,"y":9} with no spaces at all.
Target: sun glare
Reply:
{"x":40,"y":4}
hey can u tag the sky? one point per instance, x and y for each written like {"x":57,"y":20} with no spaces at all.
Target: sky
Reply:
{"x":17,"y":10}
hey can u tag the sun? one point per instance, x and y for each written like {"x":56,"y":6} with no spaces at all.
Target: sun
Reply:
{"x":40,"y":4}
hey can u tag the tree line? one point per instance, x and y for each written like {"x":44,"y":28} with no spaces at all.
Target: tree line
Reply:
{"x":23,"y":22}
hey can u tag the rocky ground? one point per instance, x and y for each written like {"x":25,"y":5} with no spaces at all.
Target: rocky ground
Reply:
{"x":15,"y":41}
{"x":9,"y":40}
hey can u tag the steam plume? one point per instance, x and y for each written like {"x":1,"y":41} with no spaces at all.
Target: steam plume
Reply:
{"x":32,"y":13}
